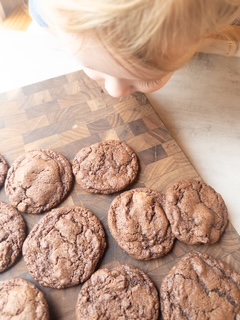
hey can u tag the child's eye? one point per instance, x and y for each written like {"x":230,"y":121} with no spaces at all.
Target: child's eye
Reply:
{"x":151,"y":83}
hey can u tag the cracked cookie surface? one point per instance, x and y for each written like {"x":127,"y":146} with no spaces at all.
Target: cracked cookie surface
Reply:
{"x":64,"y":247}
{"x":197,"y":213}
{"x":3,"y":169}
{"x":105,"y":167}
{"x":38,"y":181}
{"x":12,"y":235}
{"x":138,"y":223}
{"x":200,"y":288}
{"x":21,"y":300}
{"x":124,"y":292}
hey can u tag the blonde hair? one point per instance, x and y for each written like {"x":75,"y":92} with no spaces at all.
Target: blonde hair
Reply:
{"x":157,"y":34}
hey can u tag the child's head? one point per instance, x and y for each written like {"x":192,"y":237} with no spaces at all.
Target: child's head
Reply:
{"x":148,"y":39}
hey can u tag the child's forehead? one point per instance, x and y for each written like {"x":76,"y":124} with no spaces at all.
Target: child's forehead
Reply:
{"x":92,"y":54}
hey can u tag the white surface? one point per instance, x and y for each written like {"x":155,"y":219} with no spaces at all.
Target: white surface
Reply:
{"x":32,"y":56}
{"x":200,"y":106}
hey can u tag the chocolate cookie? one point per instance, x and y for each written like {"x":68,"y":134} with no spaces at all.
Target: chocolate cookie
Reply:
{"x":3,"y":169}
{"x":200,"y":287}
{"x":138,"y":223}
{"x":22,"y":300}
{"x":105,"y":167}
{"x":64,"y":247}
{"x":197,"y":213}
{"x":12,"y":235}
{"x":124,"y":292}
{"x":38,"y":181}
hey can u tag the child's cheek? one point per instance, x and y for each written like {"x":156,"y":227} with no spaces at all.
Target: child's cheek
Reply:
{"x":93,"y":74}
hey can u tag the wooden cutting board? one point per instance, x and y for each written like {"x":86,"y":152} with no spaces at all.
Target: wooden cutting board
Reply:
{"x":70,"y":112}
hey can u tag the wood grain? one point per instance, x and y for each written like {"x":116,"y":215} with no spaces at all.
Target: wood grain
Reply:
{"x":70,"y":112}
{"x":17,"y":16}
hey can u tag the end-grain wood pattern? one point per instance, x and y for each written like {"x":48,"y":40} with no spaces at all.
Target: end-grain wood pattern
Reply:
{"x":70,"y":112}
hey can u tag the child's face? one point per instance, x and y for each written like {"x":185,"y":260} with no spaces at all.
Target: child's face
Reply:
{"x":99,"y":65}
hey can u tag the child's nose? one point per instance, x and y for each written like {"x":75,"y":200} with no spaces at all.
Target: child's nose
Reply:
{"x":118,"y":87}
